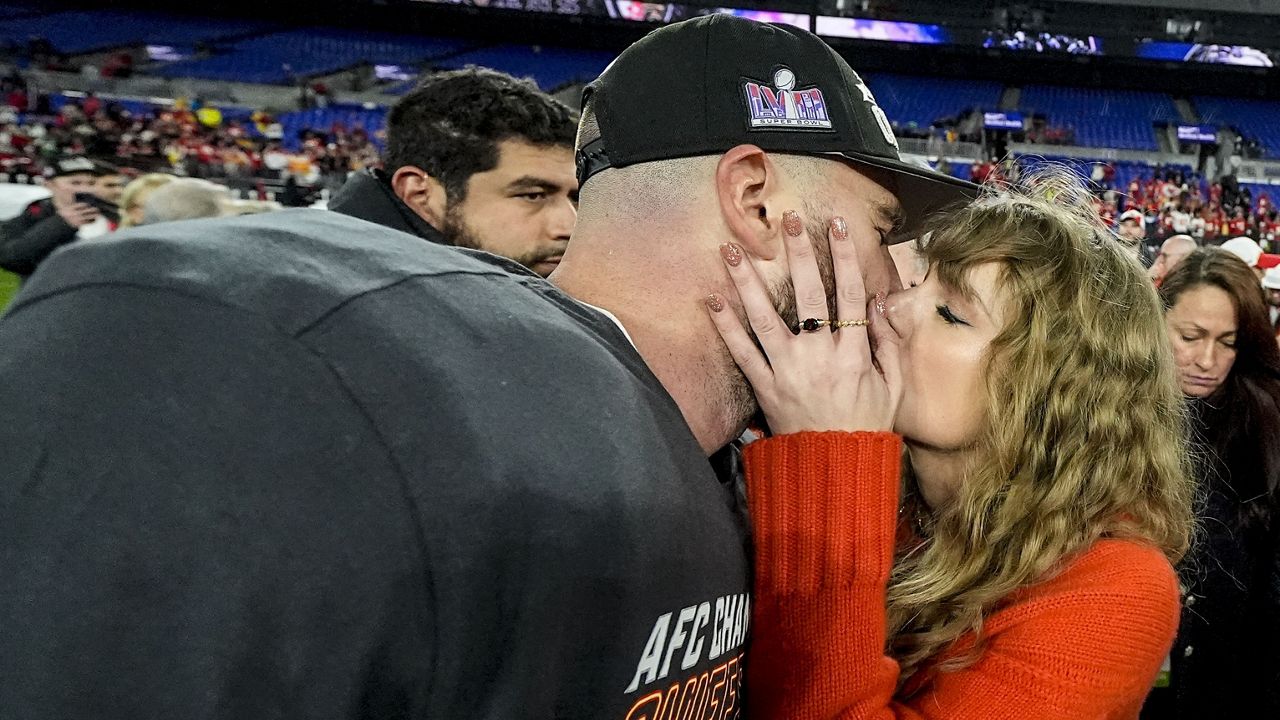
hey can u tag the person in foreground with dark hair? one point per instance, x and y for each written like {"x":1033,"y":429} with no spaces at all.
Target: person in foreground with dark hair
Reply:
{"x":300,"y":465}
{"x":1021,"y":568}
{"x":478,"y":159}
{"x":1226,"y":660}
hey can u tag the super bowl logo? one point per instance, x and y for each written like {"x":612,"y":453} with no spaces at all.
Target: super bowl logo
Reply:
{"x":782,"y":107}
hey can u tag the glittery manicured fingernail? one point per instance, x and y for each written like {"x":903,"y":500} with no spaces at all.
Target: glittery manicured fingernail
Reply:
{"x":732,"y":253}
{"x":715,"y":303}
{"x":839,"y":228}
{"x":791,"y":223}
{"x":881,"y":305}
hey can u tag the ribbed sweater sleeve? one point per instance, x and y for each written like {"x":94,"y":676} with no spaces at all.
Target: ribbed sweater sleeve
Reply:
{"x":1085,"y":644}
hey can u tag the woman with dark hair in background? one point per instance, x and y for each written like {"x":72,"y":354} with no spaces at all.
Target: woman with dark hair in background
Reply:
{"x":1226,"y":660}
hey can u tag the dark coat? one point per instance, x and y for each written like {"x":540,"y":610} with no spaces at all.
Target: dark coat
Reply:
{"x":1225,"y":661}
{"x":29,"y":238}
{"x":368,"y":195}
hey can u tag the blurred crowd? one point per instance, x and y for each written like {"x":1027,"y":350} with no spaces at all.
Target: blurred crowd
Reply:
{"x":1175,"y":202}
{"x":189,"y":138}
{"x":1162,"y":202}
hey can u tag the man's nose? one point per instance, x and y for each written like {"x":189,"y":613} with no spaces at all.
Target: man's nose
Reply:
{"x":894,"y":278}
{"x":879,"y":274}
{"x":563,"y":217}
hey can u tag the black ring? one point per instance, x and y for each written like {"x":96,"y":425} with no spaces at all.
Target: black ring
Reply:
{"x":813,"y":324}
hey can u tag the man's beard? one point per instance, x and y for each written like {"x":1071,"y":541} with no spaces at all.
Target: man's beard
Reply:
{"x":782,"y":292}
{"x":455,"y":230}
{"x":457,"y":234}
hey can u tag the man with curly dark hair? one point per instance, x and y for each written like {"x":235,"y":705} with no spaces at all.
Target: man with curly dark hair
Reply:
{"x":478,"y":159}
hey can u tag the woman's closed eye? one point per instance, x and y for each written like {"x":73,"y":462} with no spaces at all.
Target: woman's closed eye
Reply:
{"x":950,"y":317}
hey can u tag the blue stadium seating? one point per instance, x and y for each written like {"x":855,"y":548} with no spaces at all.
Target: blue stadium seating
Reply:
{"x":15,"y":9}
{"x":308,"y":52}
{"x":1126,"y":171}
{"x":1119,"y":119}
{"x":137,"y":107}
{"x":920,"y":100}
{"x":291,"y":123}
{"x":77,"y":32}
{"x":1258,"y":119}
{"x":551,"y":68}
{"x":1272,"y":191}
{"x":237,"y":113}
{"x":1129,"y":171}
{"x":323,"y":119}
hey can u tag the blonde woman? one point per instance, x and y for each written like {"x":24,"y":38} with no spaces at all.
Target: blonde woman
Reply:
{"x":135,"y":196}
{"x":1025,"y":571}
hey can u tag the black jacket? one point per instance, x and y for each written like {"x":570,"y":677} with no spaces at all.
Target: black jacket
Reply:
{"x":1225,"y":661}
{"x":300,"y":466}
{"x":29,"y":238}
{"x":367,"y":195}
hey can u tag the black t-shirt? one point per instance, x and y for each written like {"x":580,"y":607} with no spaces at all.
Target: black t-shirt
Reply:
{"x":298,"y":465}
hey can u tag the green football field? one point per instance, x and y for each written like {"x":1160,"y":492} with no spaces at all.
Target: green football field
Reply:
{"x":8,"y":288}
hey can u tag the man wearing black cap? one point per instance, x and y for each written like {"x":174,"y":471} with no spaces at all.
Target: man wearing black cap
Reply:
{"x":337,"y":472}
{"x":46,"y":225}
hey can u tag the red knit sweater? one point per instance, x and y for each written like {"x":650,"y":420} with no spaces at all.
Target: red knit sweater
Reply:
{"x":1084,"y":644}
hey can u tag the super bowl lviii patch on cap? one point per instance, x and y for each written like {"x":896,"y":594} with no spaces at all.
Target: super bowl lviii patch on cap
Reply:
{"x":781,"y":106}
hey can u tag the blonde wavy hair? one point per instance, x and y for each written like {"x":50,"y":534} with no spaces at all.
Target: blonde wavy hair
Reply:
{"x":1085,"y":429}
{"x":136,"y":192}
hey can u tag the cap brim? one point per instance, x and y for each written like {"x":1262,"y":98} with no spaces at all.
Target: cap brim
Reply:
{"x":921,"y":192}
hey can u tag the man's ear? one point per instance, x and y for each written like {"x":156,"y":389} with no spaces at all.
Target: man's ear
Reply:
{"x":747,"y":186}
{"x":421,"y":192}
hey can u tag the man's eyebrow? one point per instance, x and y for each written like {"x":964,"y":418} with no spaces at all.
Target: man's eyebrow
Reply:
{"x":533,"y":181}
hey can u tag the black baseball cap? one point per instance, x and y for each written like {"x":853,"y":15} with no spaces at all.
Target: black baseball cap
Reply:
{"x":73,"y":166}
{"x":106,"y":168}
{"x":706,"y":85}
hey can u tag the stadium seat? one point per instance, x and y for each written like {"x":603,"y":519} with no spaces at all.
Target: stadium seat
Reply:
{"x":13,"y":9}
{"x":1120,"y":119}
{"x":1252,"y":118}
{"x":77,"y":32}
{"x":1126,"y":171}
{"x":284,"y":57}
{"x":325,"y":119}
{"x":551,"y":68}
{"x":921,"y":100}
{"x":1257,"y":189}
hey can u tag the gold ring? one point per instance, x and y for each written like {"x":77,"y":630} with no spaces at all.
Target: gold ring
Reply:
{"x":849,"y":323}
